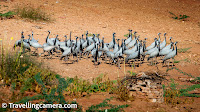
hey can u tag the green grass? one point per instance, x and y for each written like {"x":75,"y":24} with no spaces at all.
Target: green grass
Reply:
{"x":5,"y":13}
{"x":132,"y":73}
{"x":126,"y":35}
{"x":183,"y":50}
{"x":173,"y":92}
{"x":183,"y":92}
{"x":180,"y":17}
{"x":31,"y":13}
{"x":8,"y":14}
{"x":80,"y":87}
{"x":177,"y":61}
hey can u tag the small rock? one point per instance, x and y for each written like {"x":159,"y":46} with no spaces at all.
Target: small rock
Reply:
{"x":191,"y":79}
{"x":152,"y":100}
{"x":38,"y":27}
{"x":104,"y":26}
{"x":128,"y":101}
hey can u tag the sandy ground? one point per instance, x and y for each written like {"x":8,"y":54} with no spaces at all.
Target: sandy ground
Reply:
{"x":105,"y":17}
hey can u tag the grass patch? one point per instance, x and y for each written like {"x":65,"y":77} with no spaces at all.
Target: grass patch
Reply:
{"x":184,"y":92}
{"x":183,"y":50}
{"x":36,"y":14}
{"x":132,"y":73}
{"x":177,"y":61}
{"x":80,"y":87}
{"x":172,"y":93}
{"x":180,"y":17}
{"x":6,"y":15}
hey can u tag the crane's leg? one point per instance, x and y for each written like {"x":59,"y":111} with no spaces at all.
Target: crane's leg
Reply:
{"x":66,"y":58}
{"x":119,"y":61}
{"x":173,"y":62}
{"x":77,"y":57}
{"x":41,"y":53}
{"x":106,"y":58}
{"x":163,"y":64}
{"x":168,"y":64}
{"x":110,"y":61}
{"x":134,"y":63}
{"x":156,"y":61}
{"x":161,"y":57}
{"x":80,"y":56}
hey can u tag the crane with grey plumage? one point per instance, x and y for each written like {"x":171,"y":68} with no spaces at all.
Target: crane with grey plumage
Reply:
{"x":171,"y":55}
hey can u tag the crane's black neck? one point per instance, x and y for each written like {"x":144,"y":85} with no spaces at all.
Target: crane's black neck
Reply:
{"x":103,"y":43}
{"x":176,"y":49}
{"x":87,"y":41}
{"x":70,"y":36}
{"x":144,"y":47}
{"x":139,"y":51}
{"x":47,"y":37}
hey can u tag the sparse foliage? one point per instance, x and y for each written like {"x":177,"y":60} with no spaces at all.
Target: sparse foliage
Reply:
{"x":183,"y":50}
{"x":180,"y":17}
{"x":104,"y":106}
{"x":32,"y":13}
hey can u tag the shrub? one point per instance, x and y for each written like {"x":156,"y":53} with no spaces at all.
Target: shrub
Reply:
{"x":32,"y":13}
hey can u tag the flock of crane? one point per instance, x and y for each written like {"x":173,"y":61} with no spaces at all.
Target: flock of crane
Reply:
{"x":129,"y":50}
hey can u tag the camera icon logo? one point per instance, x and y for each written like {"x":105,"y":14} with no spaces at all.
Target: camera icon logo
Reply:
{"x":4,"y":105}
